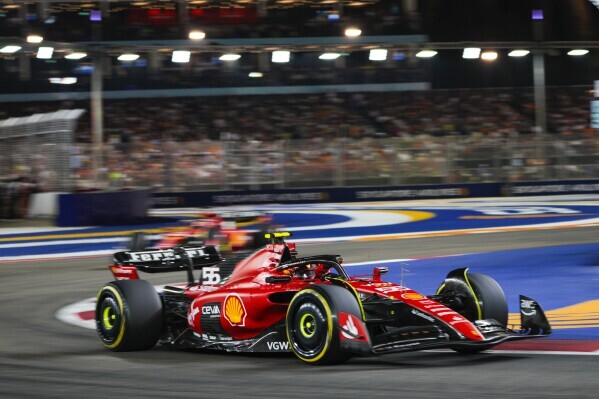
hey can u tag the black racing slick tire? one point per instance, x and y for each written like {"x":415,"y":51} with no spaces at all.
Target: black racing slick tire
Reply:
{"x":138,"y":241}
{"x":484,"y":297}
{"x":490,"y":297}
{"x":486,"y":300}
{"x":128,"y":315}
{"x":311,"y":324}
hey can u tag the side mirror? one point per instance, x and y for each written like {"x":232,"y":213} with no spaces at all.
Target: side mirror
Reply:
{"x":378,"y":272}
{"x":277,"y":279}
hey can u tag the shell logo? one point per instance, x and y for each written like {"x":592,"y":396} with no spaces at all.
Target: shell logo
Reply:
{"x":235,"y":310}
{"x":412,"y":295}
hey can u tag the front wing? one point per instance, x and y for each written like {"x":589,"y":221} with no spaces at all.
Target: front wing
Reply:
{"x":435,"y":335}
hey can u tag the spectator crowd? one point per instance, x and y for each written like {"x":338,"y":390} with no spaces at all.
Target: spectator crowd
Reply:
{"x":212,"y":142}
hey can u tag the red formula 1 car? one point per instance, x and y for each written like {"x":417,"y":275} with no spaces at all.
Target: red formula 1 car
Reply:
{"x":230,"y":231}
{"x":271,"y":300}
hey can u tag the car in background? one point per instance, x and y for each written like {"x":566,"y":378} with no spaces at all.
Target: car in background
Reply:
{"x":227,"y":230}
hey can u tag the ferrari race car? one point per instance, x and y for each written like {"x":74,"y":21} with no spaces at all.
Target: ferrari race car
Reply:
{"x":271,"y":300}
{"x":230,"y":231}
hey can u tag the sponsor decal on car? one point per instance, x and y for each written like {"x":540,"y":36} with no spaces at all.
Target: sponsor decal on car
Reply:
{"x":528,"y":307}
{"x":210,"y":275}
{"x":124,"y":273}
{"x":193,"y":312}
{"x":412,"y":296}
{"x":211,"y":309}
{"x":351,"y":328}
{"x":167,"y":254}
{"x":277,"y":346}
{"x":235,"y":312}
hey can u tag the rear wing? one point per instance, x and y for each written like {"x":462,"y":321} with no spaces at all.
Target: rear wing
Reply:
{"x":169,"y":260}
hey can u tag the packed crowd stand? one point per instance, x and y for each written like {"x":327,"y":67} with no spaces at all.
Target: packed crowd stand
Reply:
{"x":333,"y":139}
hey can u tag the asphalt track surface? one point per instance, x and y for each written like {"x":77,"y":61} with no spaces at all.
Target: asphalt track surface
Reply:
{"x":41,"y":356}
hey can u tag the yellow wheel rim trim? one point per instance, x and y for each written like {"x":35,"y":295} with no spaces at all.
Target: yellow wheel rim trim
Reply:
{"x":107,"y":317}
{"x":329,"y":316}
{"x":308,"y":325}
{"x":117,"y":295}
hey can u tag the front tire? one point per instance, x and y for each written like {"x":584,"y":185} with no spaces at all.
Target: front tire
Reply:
{"x":485,"y":299}
{"x":128,"y":315}
{"x":312,"y":329}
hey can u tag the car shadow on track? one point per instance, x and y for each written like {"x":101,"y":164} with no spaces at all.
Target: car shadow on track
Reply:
{"x":424,"y":360}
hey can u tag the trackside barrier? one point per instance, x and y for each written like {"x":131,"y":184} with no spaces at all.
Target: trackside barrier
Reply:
{"x":321,"y":195}
{"x":44,"y":205}
{"x":104,"y":208}
{"x":357,"y":194}
{"x":552,"y":187}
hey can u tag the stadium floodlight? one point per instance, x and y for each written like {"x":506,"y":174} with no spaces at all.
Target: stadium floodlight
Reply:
{"x":45,"y":53}
{"x":578,"y":51}
{"x":426,"y":53}
{"x":181,"y":56}
{"x":280,"y":56}
{"x":128,"y":57}
{"x":9,"y":49}
{"x":471,"y":53}
{"x":353,"y":32}
{"x":75,"y":56}
{"x":377,"y":54}
{"x":63,"y":81}
{"x":518,"y":53}
{"x":196,"y":35}
{"x":489,"y":55}
{"x":229,"y":57}
{"x":329,"y":56}
{"x":34,"y":39}
{"x":255,"y":74}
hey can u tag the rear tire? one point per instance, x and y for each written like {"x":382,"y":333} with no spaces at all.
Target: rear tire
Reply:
{"x":138,"y":242}
{"x":128,"y":315}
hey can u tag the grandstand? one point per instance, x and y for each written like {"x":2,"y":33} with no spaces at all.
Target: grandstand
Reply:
{"x":351,"y":120}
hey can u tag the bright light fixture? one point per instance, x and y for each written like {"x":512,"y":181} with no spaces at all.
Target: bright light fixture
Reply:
{"x":181,"y":56}
{"x":197,"y":35}
{"x":578,"y":51}
{"x":45,"y":53}
{"x":280,"y":56}
{"x":426,"y":53}
{"x":128,"y":57}
{"x":63,"y":81}
{"x":329,"y":56}
{"x":377,"y":54}
{"x":9,"y":49}
{"x":34,"y":39}
{"x":353,"y":32}
{"x":229,"y":57}
{"x":75,"y":56}
{"x":255,"y":74}
{"x":518,"y":53}
{"x":471,"y":53}
{"x":489,"y":55}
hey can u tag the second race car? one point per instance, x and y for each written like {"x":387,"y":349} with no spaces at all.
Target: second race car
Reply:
{"x":228,"y":230}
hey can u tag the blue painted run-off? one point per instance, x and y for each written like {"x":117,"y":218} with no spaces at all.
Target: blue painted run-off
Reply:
{"x":554,"y":276}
